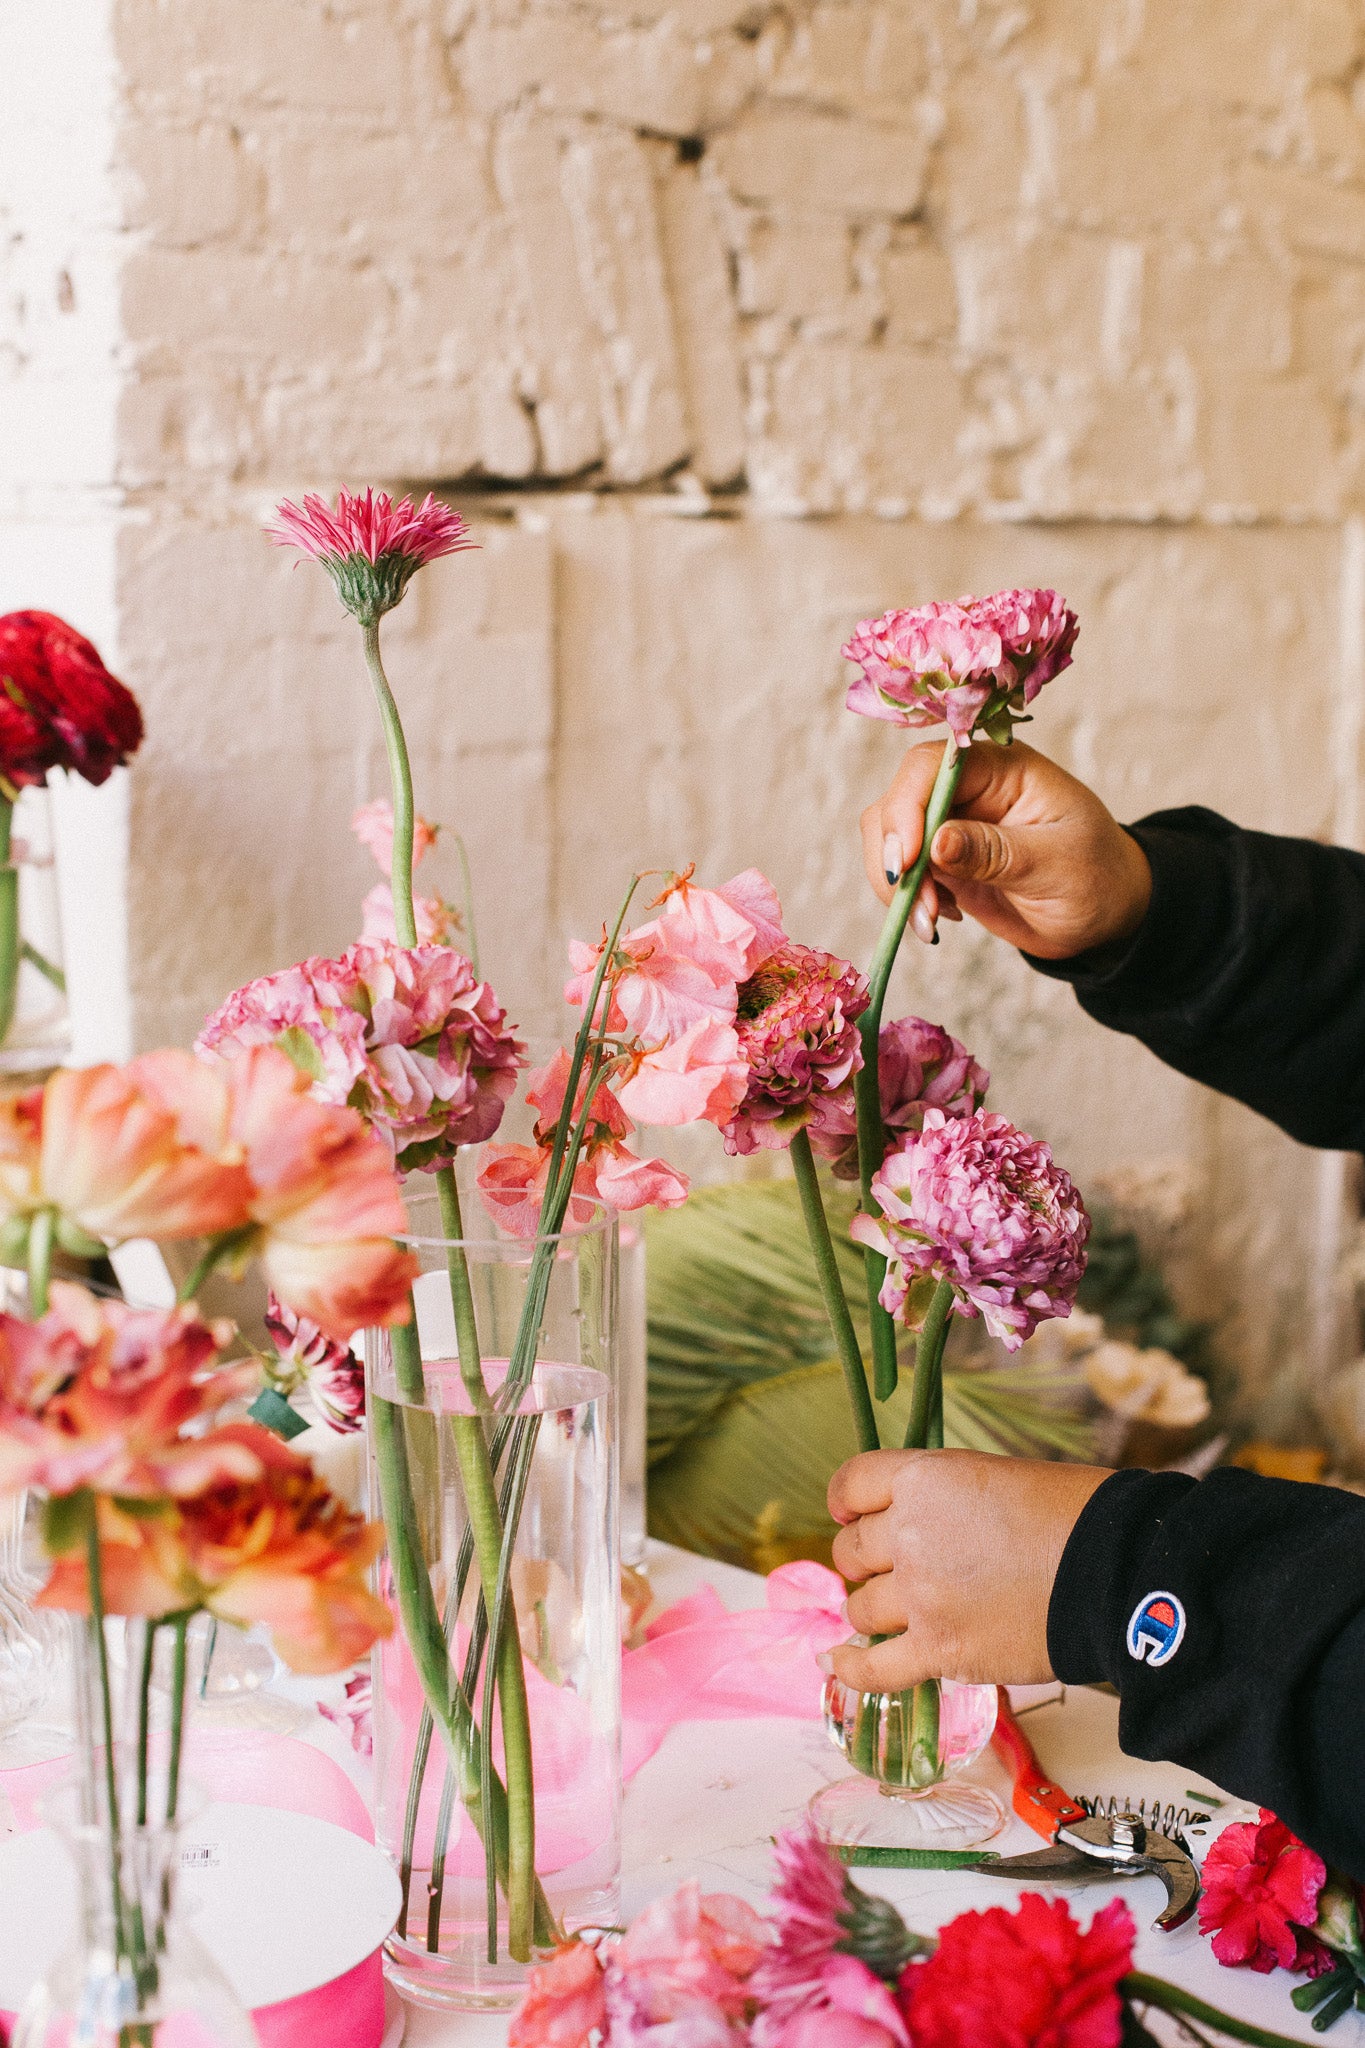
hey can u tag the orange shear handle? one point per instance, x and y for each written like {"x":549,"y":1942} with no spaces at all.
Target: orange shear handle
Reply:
{"x":1036,"y":1799}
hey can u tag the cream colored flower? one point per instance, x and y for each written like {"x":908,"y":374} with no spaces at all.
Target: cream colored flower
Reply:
{"x":1146,"y":1386}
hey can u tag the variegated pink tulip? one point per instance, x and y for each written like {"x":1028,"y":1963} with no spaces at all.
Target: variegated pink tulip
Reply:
{"x":307,"y":1356}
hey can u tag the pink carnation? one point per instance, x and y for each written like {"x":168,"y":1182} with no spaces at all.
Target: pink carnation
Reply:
{"x":1260,"y":1899}
{"x":370,"y":546}
{"x":974,"y":665}
{"x":686,"y":1959}
{"x":408,"y":1035}
{"x":919,"y":1067}
{"x":977,"y":1202}
{"x":373,"y":827}
{"x":307,"y":1356}
{"x":514,"y":1178}
{"x":810,"y":1905}
{"x":798,"y":1034}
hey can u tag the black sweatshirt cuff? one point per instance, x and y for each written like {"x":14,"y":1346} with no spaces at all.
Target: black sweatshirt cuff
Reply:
{"x":1187,"y":920}
{"x":1228,"y":1612}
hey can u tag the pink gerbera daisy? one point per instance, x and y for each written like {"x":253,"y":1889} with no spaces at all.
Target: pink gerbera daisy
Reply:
{"x":370,"y":547}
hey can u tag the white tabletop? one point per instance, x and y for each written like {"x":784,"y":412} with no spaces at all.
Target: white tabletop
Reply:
{"x":707,"y":1804}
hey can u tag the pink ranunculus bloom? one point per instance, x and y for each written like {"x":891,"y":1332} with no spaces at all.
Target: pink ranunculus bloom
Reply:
{"x":686,"y":1958}
{"x":566,"y":2002}
{"x":700,"y":1076}
{"x":975,"y":1201}
{"x":324,"y":1199}
{"x":1260,"y":1897}
{"x":120,"y":1152}
{"x":307,"y":1356}
{"x":370,"y":546}
{"x":407,"y":1034}
{"x":436,"y":921}
{"x":798,"y":1034}
{"x":920,"y":1066}
{"x":373,"y":827}
{"x":99,"y":1394}
{"x":514,"y":1178}
{"x":973,"y":665}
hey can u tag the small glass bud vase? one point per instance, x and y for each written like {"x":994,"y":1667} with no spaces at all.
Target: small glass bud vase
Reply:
{"x":35,"y":1022}
{"x":135,"y":1975}
{"x":910,"y":1749}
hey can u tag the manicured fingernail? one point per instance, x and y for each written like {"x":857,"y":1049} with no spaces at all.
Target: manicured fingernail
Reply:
{"x":825,"y":1659}
{"x":893,"y":860}
{"x":923,"y":923}
{"x":934,"y":940}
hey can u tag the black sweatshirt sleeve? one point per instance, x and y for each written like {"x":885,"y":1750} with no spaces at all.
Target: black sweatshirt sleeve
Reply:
{"x":1247,"y":973}
{"x":1260,"y":1585}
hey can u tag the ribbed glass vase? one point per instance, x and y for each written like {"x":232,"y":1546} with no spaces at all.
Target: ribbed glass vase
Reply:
{"x":553,"y":1451}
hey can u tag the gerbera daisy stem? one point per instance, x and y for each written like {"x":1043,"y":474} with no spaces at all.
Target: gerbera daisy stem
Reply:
{"x":400,"y":777}
{"x":866,"y":1086}
{"x":1145,"y":1990}
{"x":832,"y":1291}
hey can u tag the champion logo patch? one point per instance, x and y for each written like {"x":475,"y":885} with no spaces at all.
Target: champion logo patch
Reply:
{"x":1156,"y":1630}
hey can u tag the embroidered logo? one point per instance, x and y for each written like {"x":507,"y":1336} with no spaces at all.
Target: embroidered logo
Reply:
{"x":1156,"y":1630}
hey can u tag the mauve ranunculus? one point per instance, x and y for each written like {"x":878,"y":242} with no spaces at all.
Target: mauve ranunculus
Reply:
{"x":1260,"y":1897}
{"x":1000,"y":1979}
{"x":920,"y":1066}
{"x":798,"y":1035}
{"x":407,"y":1034}
{"x":976,"y":1201}
{"x":59,"y":705}
{"x":973,"y":665}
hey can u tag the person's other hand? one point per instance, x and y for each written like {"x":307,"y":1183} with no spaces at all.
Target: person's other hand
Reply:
{"x":955,"y":1553}
{"x":1029,"y":852}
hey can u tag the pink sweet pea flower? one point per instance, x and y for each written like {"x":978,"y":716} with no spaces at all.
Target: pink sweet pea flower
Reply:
{"x":975,"y":1201}
{"x":514,"y":1178}
{"x":798,"y":1035}
{"x":373,"y":827}
{"x":685,"y":1959}
{"x":565,"y":2004}
{"x":973,"y":665}
{"x":699,"y":1076}
{"x":370,"y":547}
{"x":435,"y":920}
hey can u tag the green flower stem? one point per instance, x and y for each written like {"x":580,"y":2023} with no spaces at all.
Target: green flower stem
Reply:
{"x":481,"y":1505}
{"x":1145,"y":1990}
{"x":95,"y":1622}
{"x":926,"y":1767}
{"x":863,"y":1856}
{"x":461,"y":1292}
{"x":47,"y":968}
{"x":485,"y":1804}
{"x":144,"y":1715}
{"x":400,"y":777}
{"x":40,"y":1237}
{"x":521,"y":1824}
{"x":11,"y":946}
{"x":867,"y":1091}
{"x":471,"y":930}
{"x":927,"y":1392}
{"x":832,"y":1291}
{"x":181,"y":1626}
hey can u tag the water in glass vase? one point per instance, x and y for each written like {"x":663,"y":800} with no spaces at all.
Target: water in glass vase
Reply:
{"x":909,"y":1749}
{"x":564,"y":1593}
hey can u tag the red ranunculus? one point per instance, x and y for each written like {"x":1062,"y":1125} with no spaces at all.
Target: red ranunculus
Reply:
{"x":1261,"y":1890}
{"x":59,"y":705}
{"x":1001,"y":1980}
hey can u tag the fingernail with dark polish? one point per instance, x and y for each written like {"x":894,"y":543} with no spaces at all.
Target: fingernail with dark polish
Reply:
{"x":935,"y":939}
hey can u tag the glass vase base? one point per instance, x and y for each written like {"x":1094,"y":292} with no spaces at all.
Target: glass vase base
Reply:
{"x":461,"y":1978}
{"x":860,"y":1813}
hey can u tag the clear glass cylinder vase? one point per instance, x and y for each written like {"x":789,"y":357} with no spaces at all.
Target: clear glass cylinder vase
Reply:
{"x":35,"y":1020}
{"x":444,"y":1787}
{"x":909,"y":1750}
{"x":135,"y":1975}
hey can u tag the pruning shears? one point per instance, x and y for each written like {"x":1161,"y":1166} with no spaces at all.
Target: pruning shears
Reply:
{"x":1084,"y":1848}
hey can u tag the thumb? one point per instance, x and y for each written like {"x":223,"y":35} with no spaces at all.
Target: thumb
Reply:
{"x":970,"y":852}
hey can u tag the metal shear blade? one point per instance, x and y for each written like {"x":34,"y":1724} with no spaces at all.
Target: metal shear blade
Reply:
{"x":1101,"y":1850}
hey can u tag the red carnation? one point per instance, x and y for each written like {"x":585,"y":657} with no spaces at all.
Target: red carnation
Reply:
{"x":59,"y":705}
{"x":1000,"y":1979}
{"x":1261,"y":1888}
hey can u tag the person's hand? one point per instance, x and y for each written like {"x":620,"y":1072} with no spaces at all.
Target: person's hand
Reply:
{"x":1029,"y":852}
{"x":956,"y":1552}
